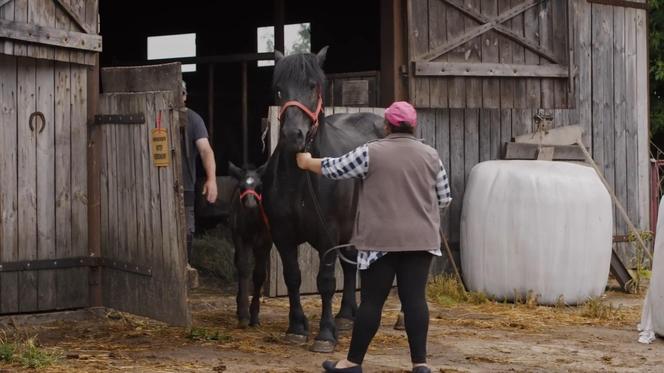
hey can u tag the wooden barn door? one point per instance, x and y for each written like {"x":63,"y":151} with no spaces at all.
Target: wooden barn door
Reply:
{"x":142,"y":207}
{"x":491,"y":53}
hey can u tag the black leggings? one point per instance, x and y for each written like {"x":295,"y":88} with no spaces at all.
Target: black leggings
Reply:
{"x":412,"y":271}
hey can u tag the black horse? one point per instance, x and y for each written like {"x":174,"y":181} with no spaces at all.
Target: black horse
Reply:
{"x":304,"y":207}
{"x":251,"y":234}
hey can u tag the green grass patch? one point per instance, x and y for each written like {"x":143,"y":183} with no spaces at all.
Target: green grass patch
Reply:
{"x":26,"y":353}
{"x":594,"y":308}
{"x":446,"y":290}
{"x":204,"y":334}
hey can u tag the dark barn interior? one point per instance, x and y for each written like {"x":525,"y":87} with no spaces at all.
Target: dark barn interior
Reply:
{"x":350,"y":28}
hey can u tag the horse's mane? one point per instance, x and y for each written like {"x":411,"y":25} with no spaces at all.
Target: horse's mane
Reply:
{"x":298,"y":68}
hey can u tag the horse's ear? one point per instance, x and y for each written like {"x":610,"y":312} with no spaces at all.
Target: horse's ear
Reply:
{"x":234,"y":170}
{"x":278,"y":56}
{"x":322,"y":54}
{"x":261,"y":169}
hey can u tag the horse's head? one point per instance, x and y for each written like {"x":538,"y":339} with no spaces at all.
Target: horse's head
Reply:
{"x":298,"y":85}
{"x":249,"y":183}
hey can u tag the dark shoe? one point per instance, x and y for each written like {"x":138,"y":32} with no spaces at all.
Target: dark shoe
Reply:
{"x":329,"y":367}
{"x":422,"y":369}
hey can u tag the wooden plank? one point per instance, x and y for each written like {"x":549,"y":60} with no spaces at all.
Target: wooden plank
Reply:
{"x":490,"y":54}
{"x":79,"y":176}
{"x":642,"y":116}
{"x":531,"y":32}
{"x":45,"y":91}
{"x":62,"y":22}
{"x":7,"y":12}
{"x":162,"y":77}
{"x":620,"y":116}
{"x":622,"y":3}
{"x":20,"y":15}
{"x":41,"y":13}
{"x":631,"y":120}
{"x":546,"y":42}
{"x":437,"y":37}
{"x":490,"y":70}
{"x":505,"y":57}
{"x":49,"y":36}
{"x":473,"y":54}
{"x":584,"y":96}
{"x":471,"y":140}
{"x":103,"y":107}
{"x":505,"y":129}
{"x":566,"y":135}
{"x":485,"y":135}
{"x":522,"y":122}
{"x":457,"y":86}
{"x":456,"y":171}
{"x":27,"y":183}
{"x":518,"y":57}
{"x":529,"y":151}
{"x":78,"y":6}
{"x":75,"y":16}
{"x":495,"y":134}
{"x":443,"y":148}
{"x":418,"y":31}
{"x":602,"y":57}
{"x":92,"y":20}
{"x":426,"y":126}
{"x":9,"y":197}
{"x":560,"y":30}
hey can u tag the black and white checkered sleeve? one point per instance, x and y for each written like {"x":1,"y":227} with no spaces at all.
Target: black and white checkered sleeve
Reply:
{"x":443,"y":188}
{"x":354,"y":164}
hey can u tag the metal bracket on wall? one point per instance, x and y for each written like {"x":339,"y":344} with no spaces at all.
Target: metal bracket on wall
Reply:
{"x":75,"y":262}
{"x":138,"y":118}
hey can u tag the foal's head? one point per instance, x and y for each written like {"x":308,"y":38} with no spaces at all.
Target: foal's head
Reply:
{"x":249,"y":184}
{"x":298,"y":85}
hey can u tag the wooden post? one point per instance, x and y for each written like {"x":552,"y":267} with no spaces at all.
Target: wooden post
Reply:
{"x":211,"y":102}
{"x":279,"y":26}
{"x":94,"y":186}
{"x":245,"y":150}
{"x":392,"y":85}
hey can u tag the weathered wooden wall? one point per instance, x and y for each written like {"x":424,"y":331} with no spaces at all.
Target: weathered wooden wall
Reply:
{"x":611,"y":106}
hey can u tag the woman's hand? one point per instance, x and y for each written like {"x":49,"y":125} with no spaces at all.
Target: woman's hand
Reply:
{"x":303,"y":160}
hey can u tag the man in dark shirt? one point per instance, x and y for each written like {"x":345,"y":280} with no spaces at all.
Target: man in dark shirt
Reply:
{"x":196,"y":143}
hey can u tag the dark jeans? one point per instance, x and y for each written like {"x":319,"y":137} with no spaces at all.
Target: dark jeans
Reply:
{"x":411,"y":270}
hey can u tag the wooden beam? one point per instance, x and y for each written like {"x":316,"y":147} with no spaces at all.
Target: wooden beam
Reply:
{"x":74,"y":16}
{"x":515,"y":150}
{"x":489,"y":70}
{"x":456,"y":42}
{"x":228,"y":58}
{"x":4,"y":2}
{"x":279,"y":19}
{"x":621,"y":3}
{"x":526,"y":43}
{"x":49,"y":36}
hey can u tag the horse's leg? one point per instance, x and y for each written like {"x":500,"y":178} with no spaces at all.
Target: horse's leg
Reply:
{"x":346,"y":315}
{"x":242,"y":299}
{"x":298,"y":325}
{"x":261,"y":252}
{"x":327,"y":336}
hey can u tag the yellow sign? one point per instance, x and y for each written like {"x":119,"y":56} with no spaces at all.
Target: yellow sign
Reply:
{"x":160,"y":147}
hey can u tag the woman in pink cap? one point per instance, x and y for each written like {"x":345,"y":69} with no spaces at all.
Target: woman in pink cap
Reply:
{"x":403,"y":186}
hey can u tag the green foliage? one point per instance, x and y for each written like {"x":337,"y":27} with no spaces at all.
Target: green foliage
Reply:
{"x":26,"y":352}
{"x":656,"y":50}
{"x":7,"y":350}
{"x":203,"y":334}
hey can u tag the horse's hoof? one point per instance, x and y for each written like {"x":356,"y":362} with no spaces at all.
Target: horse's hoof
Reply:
{"x":343,"y":324}
{"x":254,"y":324}
{"x":296,"y":339}
{"x":400,"y":324}
{"x":323,"y":346}
{"x":243,"y":324}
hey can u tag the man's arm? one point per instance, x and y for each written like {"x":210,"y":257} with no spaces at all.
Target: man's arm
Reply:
{"x":210,"y":166}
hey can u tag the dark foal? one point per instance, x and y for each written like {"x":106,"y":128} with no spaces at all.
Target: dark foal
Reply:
{"x":251,"y":234}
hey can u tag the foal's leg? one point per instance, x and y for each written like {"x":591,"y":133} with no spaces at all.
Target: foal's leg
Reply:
{"x":298,"y":326}
{"x":242,"y":299}
{"x":346,"y":315}
{"x":327,"y":336}
{"x":261,"y":252}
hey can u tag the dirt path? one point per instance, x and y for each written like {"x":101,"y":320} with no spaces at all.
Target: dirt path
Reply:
{"x":463,"y":338}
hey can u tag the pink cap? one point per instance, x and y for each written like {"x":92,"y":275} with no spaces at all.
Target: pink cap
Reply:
{"x":401,"y":111}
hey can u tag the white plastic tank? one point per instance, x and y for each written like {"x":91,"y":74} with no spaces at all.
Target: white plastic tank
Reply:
{"x":536,"y":226}
{"x":656,"y":289}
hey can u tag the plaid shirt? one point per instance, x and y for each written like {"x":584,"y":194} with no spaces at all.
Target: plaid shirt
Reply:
{"x":355,"y":164}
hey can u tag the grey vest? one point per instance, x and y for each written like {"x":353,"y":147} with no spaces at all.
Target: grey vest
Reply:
{"x":398,"y":207}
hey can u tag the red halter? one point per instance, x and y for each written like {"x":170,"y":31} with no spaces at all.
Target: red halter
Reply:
{"x":259,"y":197}
{"x":312,"y":115}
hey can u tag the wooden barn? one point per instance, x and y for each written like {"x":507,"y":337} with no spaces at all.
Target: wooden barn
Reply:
{"x":88,"y":219}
